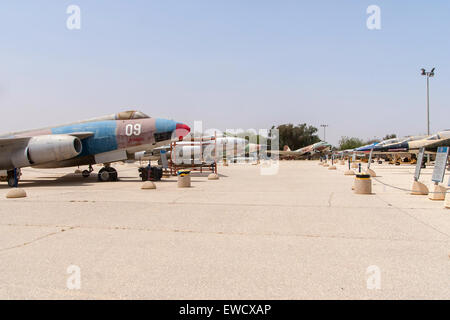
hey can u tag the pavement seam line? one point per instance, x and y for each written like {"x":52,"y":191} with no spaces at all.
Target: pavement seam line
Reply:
{"x":80,"y":227}
{"x":35,"y":240}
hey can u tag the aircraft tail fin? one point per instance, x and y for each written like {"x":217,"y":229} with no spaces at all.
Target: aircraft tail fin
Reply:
{"x":286,"y":148}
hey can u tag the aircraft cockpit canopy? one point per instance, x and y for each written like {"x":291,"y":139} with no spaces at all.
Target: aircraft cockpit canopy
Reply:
{"x":434,"y":137}
{"x":390,"y":141}
{"x":131,"y":115}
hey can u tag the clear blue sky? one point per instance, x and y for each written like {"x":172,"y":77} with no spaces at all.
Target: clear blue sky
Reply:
{"x":232,"y":64}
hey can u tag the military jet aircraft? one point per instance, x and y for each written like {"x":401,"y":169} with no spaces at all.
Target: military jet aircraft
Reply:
{"x":412,"y":145}
{"x":202,"y":148}
{"x":99,"y":140}
{"x":375,"y":145}
{"x":319,"y":147}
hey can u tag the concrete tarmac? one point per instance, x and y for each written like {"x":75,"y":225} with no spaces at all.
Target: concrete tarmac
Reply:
{"x":299,"y":234}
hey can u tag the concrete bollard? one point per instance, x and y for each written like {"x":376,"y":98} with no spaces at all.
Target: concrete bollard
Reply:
{"x":349,"y":173}
{"x":371,"y":173}
{"x":326,"y":164}
{"x":333,"y":167}
{"x":148,"y":185}
{"x":16,"y":193}
{"x":342,"y":162}
{"x":184,"y":181}
{"x":363,"y":184}
{"x":418,"y":188}
{"x":438,"y":193}
{"x":213,"y":176}
{"x":354,"y":165}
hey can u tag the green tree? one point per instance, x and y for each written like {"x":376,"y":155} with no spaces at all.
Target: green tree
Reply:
{"x":370,"y":141}
{"x":350,"y":143}
{"x":390,"y":136}
{"x":297,"y":137}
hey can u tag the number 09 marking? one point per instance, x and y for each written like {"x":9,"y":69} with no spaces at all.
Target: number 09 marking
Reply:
{"x":133,"y":130}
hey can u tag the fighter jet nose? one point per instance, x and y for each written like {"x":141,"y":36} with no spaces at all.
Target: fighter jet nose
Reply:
{"x":182,"y":130}
{"x":176,"y":130}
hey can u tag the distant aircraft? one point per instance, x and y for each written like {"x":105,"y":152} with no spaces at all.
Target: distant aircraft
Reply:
{"x":374,"y":145}
{"x":403,"y":147}
{"x":413,"y":144}
{"x":99,"y":140}
{"x":203,"y":147}
{"x":312,"y":149}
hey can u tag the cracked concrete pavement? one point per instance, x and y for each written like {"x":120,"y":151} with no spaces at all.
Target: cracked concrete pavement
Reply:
{"x":299,"y":234}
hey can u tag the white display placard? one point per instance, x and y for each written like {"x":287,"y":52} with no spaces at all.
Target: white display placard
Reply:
{"x":440,"y":164}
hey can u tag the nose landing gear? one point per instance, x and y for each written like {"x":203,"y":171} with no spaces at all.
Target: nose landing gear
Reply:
{"x":87,"y":173}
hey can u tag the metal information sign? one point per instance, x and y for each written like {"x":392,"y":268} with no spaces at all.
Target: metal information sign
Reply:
{"x":354,"y":157}
{"x":440,"y":164}
{"x":370,"y":158}
{"x":419,"y":164}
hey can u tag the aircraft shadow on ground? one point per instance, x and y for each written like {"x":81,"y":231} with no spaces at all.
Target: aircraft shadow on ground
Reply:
{"x":72,"y":180}
{"x":65,"y":181}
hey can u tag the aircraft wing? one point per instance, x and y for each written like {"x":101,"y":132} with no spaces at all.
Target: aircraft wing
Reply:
{"x":14,"y":141}
{"x":81,"y":135}
{"x":290,"y":153}
{"x":22,"y":141}
{"x":437,"y":144}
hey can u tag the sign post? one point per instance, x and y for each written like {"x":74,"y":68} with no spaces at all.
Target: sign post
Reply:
{"x":418,"y":188}
{"x":370,"y":158}
{"x":438,"y":173}
{"x":447,"y":197}
{"x":370,"y":171}
{"x":419,"y":164}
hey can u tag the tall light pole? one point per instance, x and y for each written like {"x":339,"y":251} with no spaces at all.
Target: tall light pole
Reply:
{"x":428,"y":75}
{"x":324,"y":126}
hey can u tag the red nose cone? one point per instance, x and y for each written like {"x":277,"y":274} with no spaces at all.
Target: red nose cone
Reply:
{"x":182,"y":130}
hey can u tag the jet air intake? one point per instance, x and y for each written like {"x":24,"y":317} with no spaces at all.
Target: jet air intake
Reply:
{"x":47,"y":148}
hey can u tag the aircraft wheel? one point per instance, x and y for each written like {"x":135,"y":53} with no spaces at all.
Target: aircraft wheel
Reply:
{"x":107,"y":174}
{"x":103,"y":175}
{"x":10,"y":178}
{"x":113,"y":176}
{"x":11,"y":182}
{"x":85,"y":174}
